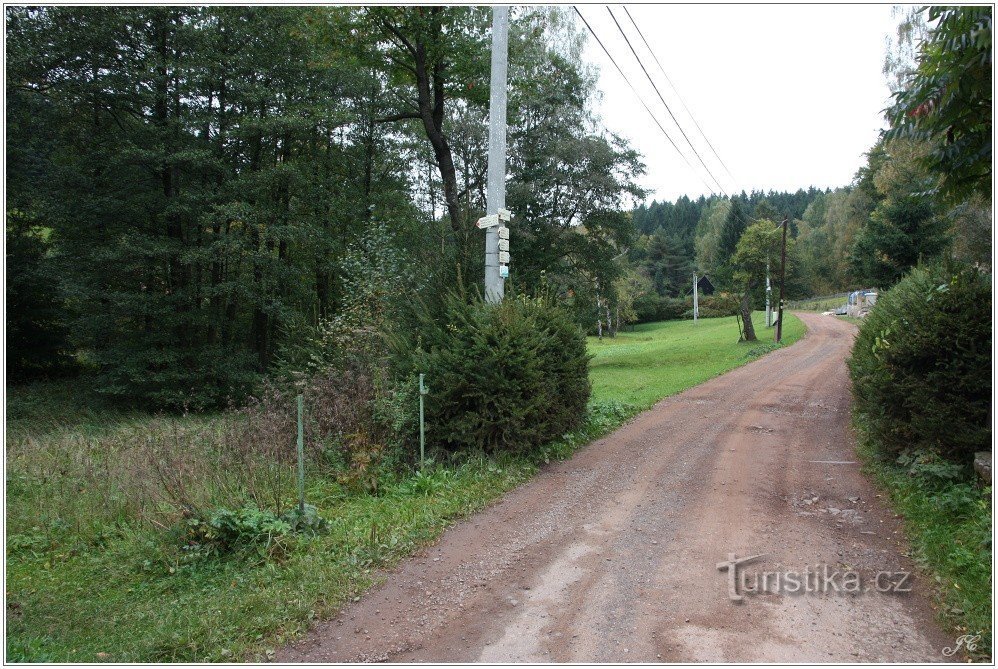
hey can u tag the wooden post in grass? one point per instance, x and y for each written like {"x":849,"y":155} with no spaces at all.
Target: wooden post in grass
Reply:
{"x":301,"y":457}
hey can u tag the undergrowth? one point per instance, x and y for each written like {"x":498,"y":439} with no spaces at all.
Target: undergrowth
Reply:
{"x":113,"y":557}
{"x":948,"y":521}
{"x":234,"y":584}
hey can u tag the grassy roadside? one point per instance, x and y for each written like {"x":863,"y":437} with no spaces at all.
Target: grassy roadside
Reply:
{"x":948,"y":523}
{"x":123,"y":592}
{"x":660,"y":359}
{"x":126,"y":596}
{"x":819,"y":303}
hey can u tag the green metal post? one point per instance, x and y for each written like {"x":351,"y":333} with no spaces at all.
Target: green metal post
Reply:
{"x":422,"y":425}
{"x":301,"y":457}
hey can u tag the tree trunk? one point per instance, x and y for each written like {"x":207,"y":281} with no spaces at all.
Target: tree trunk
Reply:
{"x":218,"y":303}
{"x":259,"y":322}
{"x":431,"y":113}
{"x":176,"y":279}
{"x":369,"y":152}
{"x":599,"y":318}
{"x":429,"y":70}
{"x":746,"y":309}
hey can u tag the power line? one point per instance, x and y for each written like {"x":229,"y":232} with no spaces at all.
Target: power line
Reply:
{"x":638,"y":96}
{"x":676,"y":91}
{"x":667,"y":108}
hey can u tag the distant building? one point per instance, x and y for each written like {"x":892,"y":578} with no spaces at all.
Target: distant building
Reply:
{"x":704,"y":286}
{"x":860,"y":302}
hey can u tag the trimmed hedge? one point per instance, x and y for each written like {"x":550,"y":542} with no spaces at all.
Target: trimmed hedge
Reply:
{"x":715,"y":306}
{"x":511,"y":376}
{"x":921,"y":364}
{"x":653,"y":308}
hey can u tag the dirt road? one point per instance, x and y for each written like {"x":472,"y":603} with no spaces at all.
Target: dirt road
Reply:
{"x":613,"y":555}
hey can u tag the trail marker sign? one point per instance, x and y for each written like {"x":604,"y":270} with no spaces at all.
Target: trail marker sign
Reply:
{"x":488,"y":221}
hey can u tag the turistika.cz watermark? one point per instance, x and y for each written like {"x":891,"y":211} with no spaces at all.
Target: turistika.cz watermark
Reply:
{"x":819,"y":579}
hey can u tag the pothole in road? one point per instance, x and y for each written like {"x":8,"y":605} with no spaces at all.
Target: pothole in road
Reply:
{"x":841,"y":511}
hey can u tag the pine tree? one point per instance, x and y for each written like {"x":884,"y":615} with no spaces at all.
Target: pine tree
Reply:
{"x":734,"y":225}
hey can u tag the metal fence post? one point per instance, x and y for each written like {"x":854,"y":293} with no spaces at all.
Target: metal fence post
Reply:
{"x":301,"y":457}
{"x":422,"y":424}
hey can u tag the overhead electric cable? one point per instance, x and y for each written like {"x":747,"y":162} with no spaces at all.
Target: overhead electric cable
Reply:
{"x":676,"y":91}
{"x":667,"y":108}
{"x":638,"y":96}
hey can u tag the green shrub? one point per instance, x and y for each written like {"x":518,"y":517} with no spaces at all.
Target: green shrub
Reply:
{"x":510,"y":376}
{"x":224,"y":530}
{"x":646,"y":308}
{"x":921,"y":364}
{"x":653,"y":308}
{"x":715,"y":306}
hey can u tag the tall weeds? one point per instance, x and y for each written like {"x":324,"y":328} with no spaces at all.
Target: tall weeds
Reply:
{"x":68,"y":485}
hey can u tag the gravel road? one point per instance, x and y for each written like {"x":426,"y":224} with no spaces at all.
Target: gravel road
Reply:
{"x":613,"y":556}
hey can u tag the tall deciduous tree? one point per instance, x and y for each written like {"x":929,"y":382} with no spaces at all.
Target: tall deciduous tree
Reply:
{"x":947,"y":103}
{"x":757,"y":251}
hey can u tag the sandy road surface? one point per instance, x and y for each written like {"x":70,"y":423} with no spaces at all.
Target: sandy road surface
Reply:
{"x":612,"y":556}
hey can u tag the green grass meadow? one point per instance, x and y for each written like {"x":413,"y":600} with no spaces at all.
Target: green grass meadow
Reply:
{"x":89,"y":579}
{"x":661,"y":359}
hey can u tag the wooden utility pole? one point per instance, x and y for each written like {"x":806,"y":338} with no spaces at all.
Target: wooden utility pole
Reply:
{"x":783,"y":276}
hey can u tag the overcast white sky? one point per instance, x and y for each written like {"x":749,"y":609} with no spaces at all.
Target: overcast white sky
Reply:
{"x":789,"y":95}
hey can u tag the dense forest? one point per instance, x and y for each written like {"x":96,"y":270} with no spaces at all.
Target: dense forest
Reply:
{"x":193,"y":191}
{"x":196,"y":195}
{"x":922,"y":194}
{"x":676,"y":238}
{"x":893,"y":215}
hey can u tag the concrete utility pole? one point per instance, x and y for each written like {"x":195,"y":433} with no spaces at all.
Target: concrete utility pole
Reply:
{"x":496,"y":196}
{"x":769,"y":299}
{"x":783,"y":276}
{"x":696,"y":305}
